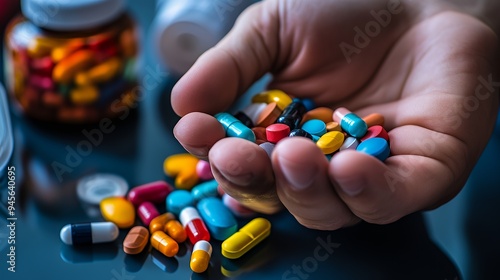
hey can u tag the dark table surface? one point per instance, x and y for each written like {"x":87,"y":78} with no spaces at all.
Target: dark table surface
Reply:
{"x":135,"y":149}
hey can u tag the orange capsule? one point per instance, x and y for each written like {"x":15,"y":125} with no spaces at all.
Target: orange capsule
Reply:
{"x":321,"y":113}
{"x":164,"y":243}
{"x":175,"y":229}
{"x":159,"y":222}
{"x":67,"y":68}
{"x":374,"y":119}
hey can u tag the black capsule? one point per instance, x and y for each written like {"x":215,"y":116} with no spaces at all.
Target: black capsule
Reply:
{"x":300,"y":132}
{"x":243,"y":118}
{"x":292,"y":115}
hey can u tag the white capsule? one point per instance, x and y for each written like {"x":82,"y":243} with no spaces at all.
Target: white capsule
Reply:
{"x":200,"y":258}
{"x":253,"y":111}
{"x":350,"y":143}
{"x":89,"y":233}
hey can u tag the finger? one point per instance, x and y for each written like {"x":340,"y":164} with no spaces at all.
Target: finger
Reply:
{"x":304,"y":188}
{"x":198,"y":132}
{"x":228,"y":69}
{"x":244,"y":172}
{"x":410,"y":180}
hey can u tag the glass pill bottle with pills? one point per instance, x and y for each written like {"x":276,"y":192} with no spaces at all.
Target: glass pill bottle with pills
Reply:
{"x":71,"y":61}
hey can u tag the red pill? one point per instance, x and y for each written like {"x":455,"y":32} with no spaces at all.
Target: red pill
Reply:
{"x":43,"y":66}
{"x":147,"y":212}
{"x":193,"y":224}
{"x":276,"y":132}
{"x":154,"y":192}
{"x":375,"y":131}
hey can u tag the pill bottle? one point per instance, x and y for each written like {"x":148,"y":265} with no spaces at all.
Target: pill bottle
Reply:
{"x":71,"y":61}
{"x":7,"y":172}
{"x":183,"y":30}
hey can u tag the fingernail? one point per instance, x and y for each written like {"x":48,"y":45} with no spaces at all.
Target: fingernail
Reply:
{"x":232,"y":172}
{"x":351,"y":186}
{"x":198,"y":151}
{"x":297,"y":175}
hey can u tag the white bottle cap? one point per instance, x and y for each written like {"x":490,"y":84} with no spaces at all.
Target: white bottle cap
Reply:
{"x":71,"y":15}
{"x":183,"y":30}
{"x":94,"y":188}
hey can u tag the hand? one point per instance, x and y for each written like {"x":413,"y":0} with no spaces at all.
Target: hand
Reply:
{"x":421,"y":71}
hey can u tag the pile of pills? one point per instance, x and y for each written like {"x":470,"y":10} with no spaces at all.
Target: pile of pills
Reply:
{"x":273,"y":115}
{"x":72,"y":80}
{"x":193,"y":212}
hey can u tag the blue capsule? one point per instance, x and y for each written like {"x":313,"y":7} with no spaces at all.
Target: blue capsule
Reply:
{"x":308,"y":103}
{"x":235,"y":128}
{"x":350,"y":122}
{"x":377,"y":147}
{"x":205,"y":189}
{"x":217,"y":217}
{"x":178,"y":200}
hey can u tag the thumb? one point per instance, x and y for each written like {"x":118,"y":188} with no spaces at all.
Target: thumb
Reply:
{"x":224,"y":72}
{"x":377,"y":192}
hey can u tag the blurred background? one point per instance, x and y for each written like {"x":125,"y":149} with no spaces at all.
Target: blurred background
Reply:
{"x":465,"y":230}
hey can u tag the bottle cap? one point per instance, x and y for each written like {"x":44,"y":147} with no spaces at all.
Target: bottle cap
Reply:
{"x":70,"y":15}
{"x":94,"y":188}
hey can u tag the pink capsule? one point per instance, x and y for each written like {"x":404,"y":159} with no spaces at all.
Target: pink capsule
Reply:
{"x":43,"y":66}
{"x":147,"y":212}
{"x":193,"y":224}
{"x":154,"y":192}
{"x":203,"y":170}
{"x":236,"y":207}
{"x":41,"y":82}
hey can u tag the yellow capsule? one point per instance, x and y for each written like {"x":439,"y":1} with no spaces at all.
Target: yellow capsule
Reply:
{"x":330,"y":142}
{"x":374,"y":119}
{"x":164,"y":243}
{"x":175,"y":230}
{"x":42,"y":46}
{"x":183,"y":168}
{"x":200,"y":258}
{"x":279,"y":97}
{"x":119,"y":211}
{"x":159,"y":222}
{"x":100,"y":73}
{"x":246,"y":238}
{"x":84,"y":95}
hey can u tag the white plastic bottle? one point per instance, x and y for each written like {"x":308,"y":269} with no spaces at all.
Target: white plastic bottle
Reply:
{"x":183,"y":30}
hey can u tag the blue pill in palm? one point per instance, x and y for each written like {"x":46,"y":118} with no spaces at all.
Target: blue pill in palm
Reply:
{"x":377,"y":147}
{"x":314,"y":127}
